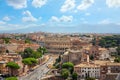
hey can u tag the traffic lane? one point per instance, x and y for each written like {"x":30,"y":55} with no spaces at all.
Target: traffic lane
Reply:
{"x":39,"y":71}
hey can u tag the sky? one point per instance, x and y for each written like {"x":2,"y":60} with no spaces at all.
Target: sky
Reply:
{"x":60,"y":16}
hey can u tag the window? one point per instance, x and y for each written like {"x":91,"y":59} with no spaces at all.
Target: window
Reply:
{"x":82,"y":70}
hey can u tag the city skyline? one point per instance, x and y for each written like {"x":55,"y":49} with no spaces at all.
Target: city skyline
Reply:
{"x":62,"y":16}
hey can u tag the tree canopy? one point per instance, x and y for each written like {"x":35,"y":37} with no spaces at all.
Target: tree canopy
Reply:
{"x":30,"y":53}
{"x":69,"y":66}
{"x":91,"y":57}
{"x":42,"y":50}
{"x":74,"y":76}
{"x":13,"y":65}
{"x":6,"y":40}
{"x":110,"y":41}
{"x":118,"y":50}
{"x":117,"y":59}
{"x":11,"y":78}
{"x":27,"y":41}
{"x":29,"y":61}
{"x":65,"y":73}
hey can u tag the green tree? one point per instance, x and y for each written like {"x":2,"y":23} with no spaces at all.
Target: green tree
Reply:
{"x":91,"y":57}
{"x":27,"y":53}
{"x":30,"y":53}
{"x":7,"y":51}
{"x":6,"y":40}
{"x":36,"y":54}
{"x":29,"y":61}
{"x":110,"y":41}
{"x":118,"y":50}
{"x":27,"y":41}
{"x":94,"y":41}
{"x":74,"y":76}
{"x":12,"y":67}
{"x":117,"y":59}
{"x":69,"y":66}
{"x":42,"y":50}
{"x":65,"y":73}
{"x":11,"y":78}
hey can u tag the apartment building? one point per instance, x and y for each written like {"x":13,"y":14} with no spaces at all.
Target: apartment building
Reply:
{"x":101,"y":70}
{"x":87,"y":70}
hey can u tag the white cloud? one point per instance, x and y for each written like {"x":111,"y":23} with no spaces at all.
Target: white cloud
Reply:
{"x":85,"y":4}
{"x":66,"y":18}
{"x":87,"y":14}
{"x":6,"y":18}
{"x":2,"y":22}
{"x":68,"y":5}
{"x":62,"y":19}
{"x":28,"y":17}
{"x":38,"y":3}
{"x":17,"y":4}
{"x":54,"y":19}
{"x":113,"y":3}
{"x":105,"y":21}
{"x":9,"y":27}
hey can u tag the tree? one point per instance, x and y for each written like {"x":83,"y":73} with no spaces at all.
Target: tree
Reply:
{"x":12,"y":67}
{"x":118,"y":50}
{"x":74,"y":76}
{"x":110,"y":41}
{"x":117,"y":59}
{"x":42,"y":50}
{"x":36,"y":54}
{"x":91,"y":57}
{"x":69,"y":66}
{"x":94,"y":41}
{"x":65,"y":73}
{"x":59,"y":59}
{"x":30,"y":53}
{"x":7,"y":51}
{"x":90,"y":78}
{"x":27,"y":53}
{"x":29,"y":61}
{"x":57,"y":62}
{"x":11,"y":78}
{"x":57,"y":65}
{"x":27,"y":41}
{"x":6,"y":40}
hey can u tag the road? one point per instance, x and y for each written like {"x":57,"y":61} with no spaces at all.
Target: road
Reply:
{"x":38,"y":73}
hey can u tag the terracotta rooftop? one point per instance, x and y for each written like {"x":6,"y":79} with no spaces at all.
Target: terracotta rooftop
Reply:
{"x":87,"y":65}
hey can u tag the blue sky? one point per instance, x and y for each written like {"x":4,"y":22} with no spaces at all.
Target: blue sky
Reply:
{"x":88,"y":16}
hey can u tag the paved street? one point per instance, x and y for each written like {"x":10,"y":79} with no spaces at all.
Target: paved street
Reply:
{"x":38,"y":73}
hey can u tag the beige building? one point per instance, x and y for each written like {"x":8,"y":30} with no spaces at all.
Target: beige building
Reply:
{"x":102,"y":70}
{"x":11,"y":57}
{"x":57,"y":45}
{"x":74,"y":56}
{"x":87,"y":70}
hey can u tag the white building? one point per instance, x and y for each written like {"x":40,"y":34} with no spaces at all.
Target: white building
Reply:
{"x":87,"y":70}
